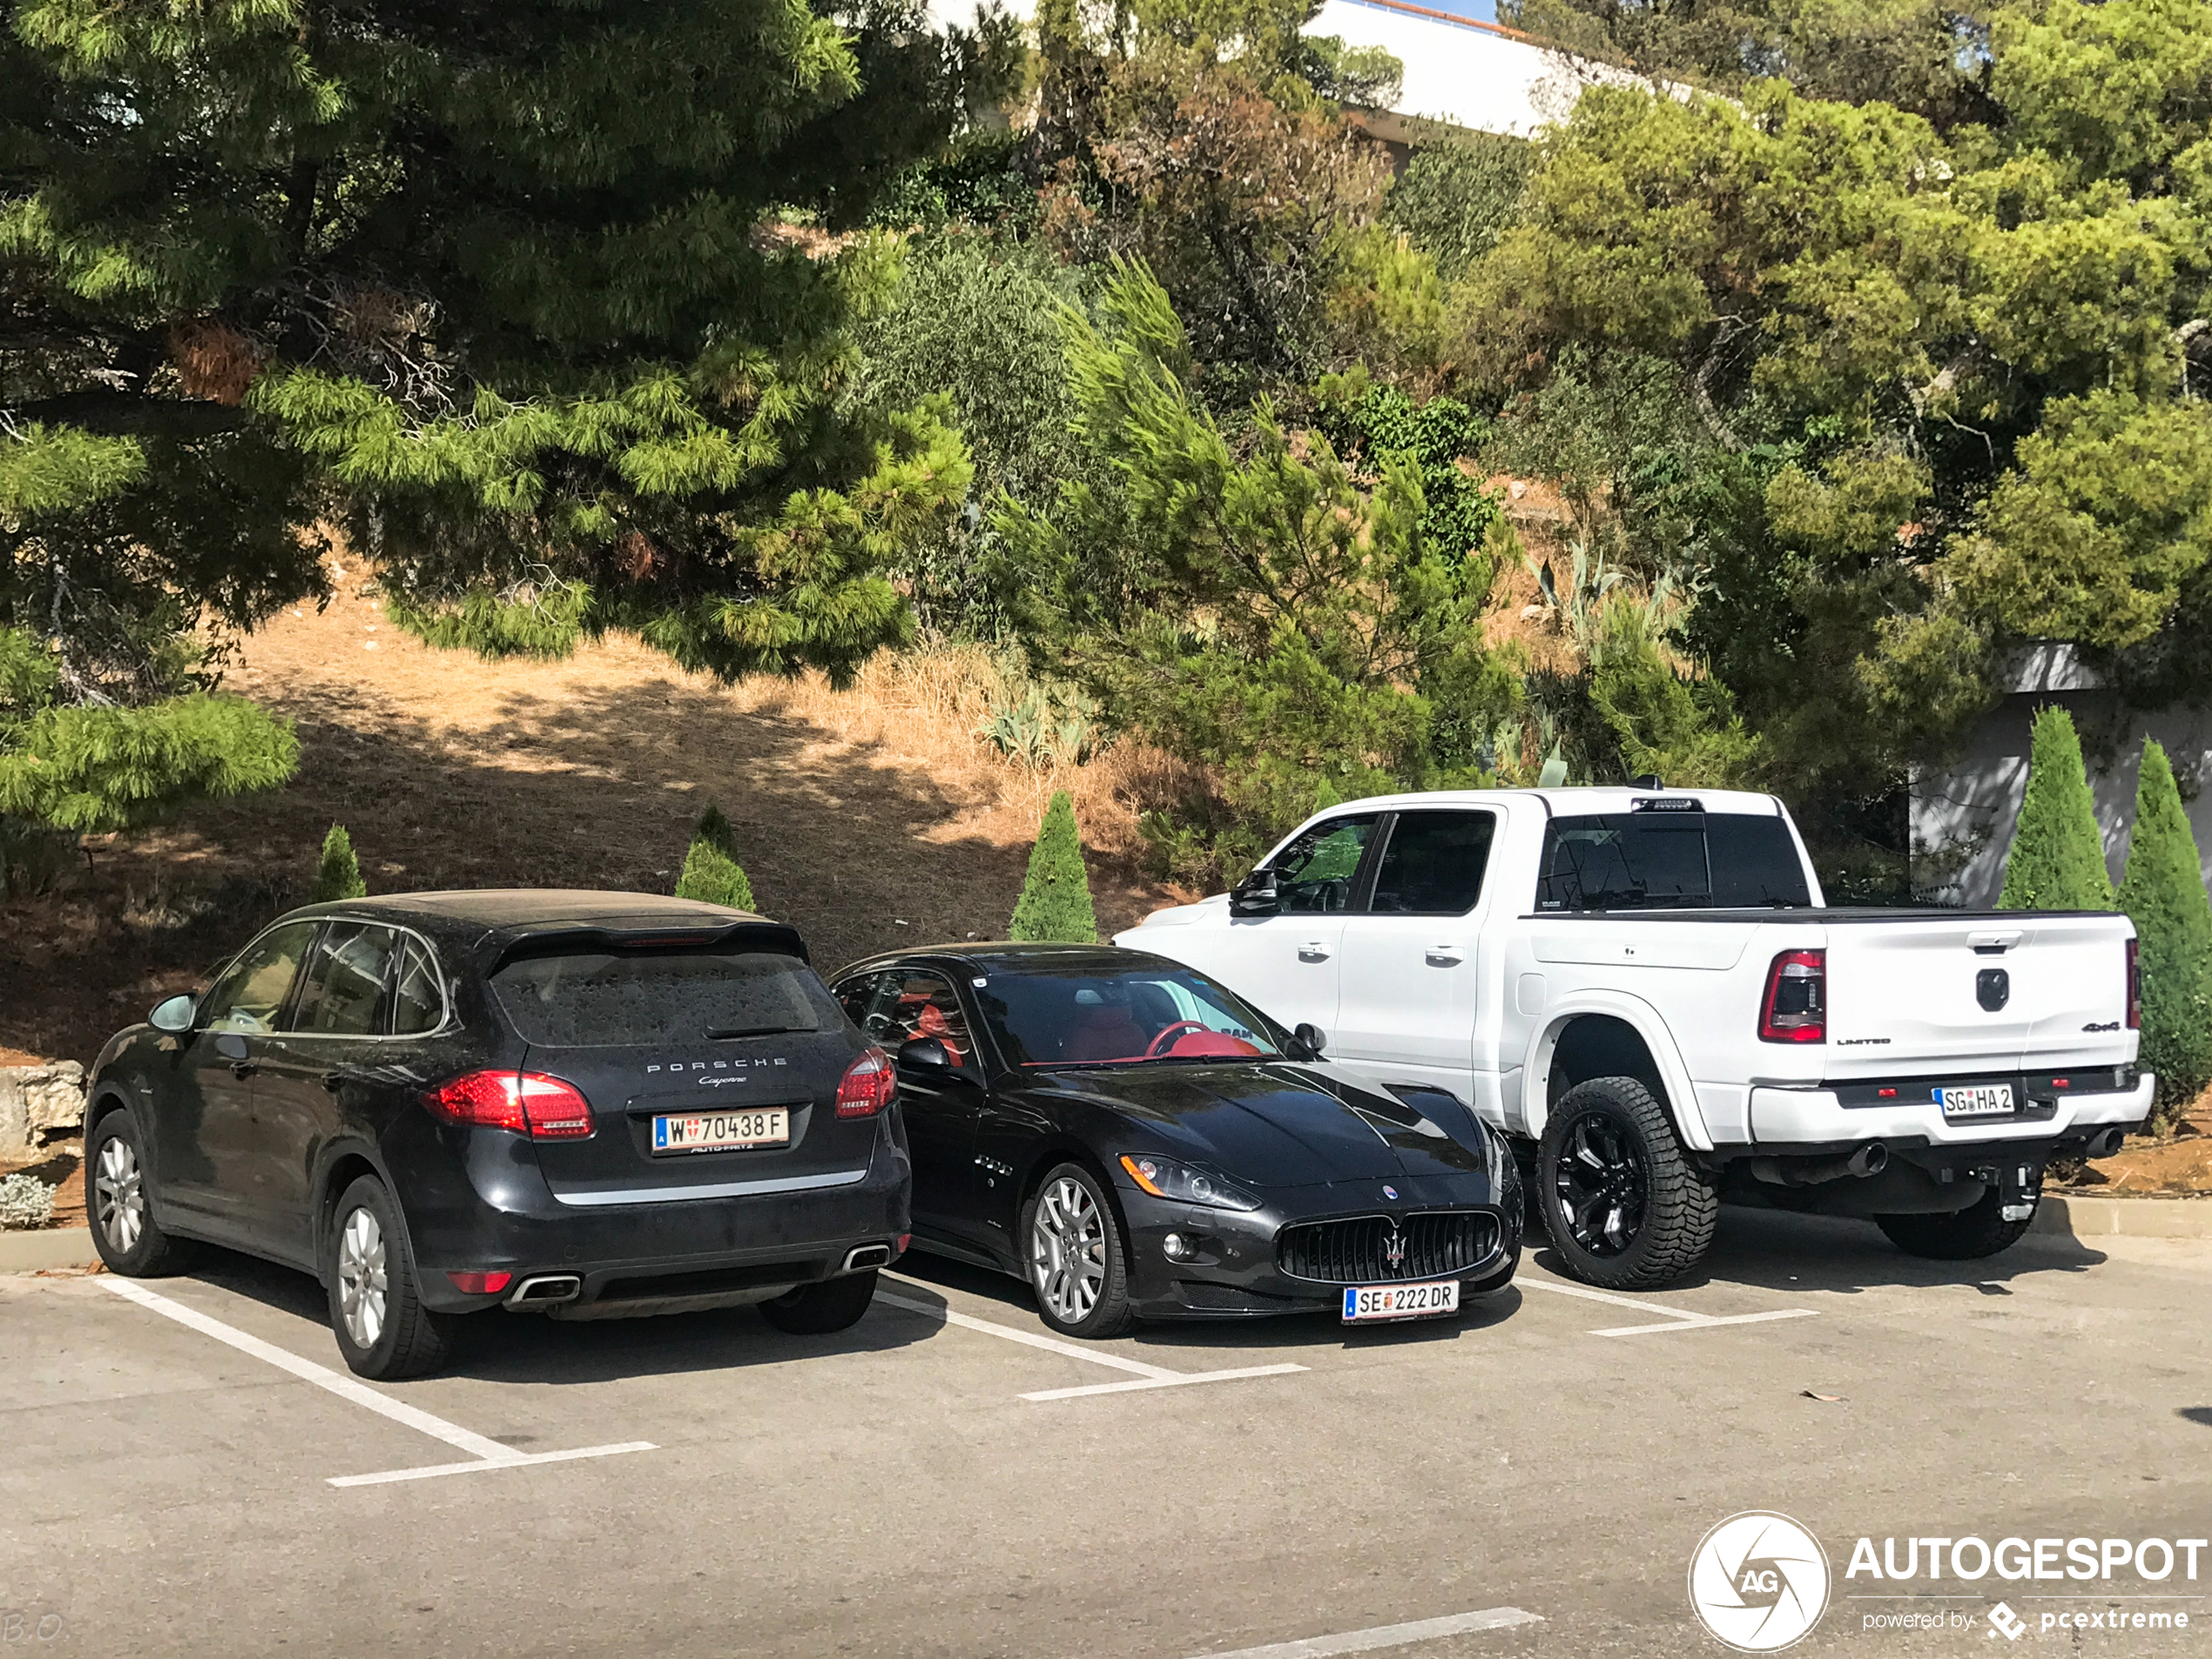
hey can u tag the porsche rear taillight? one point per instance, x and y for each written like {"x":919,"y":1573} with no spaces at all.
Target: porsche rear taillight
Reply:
{"x":527,"y":1102}
{"x":869,"y":1085}
{"x":1795,"y":1009}
{"x":2134,"y":987}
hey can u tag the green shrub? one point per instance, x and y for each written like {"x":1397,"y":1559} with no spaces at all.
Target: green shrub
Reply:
{"x":2163,"y":893}
{"x":712,"y":873}
{"x":2057,"y":860}
{"x":339,"y":876}
{"x":1056,"y":900}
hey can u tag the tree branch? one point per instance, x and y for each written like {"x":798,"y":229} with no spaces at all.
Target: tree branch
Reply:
{"x":117,"y":413}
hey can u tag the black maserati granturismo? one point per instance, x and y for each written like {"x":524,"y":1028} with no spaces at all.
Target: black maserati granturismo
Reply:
{"x":1138,"y":1143}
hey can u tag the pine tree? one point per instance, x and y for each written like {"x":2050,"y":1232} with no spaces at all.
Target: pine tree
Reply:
{"x":503,"y":291}
{"x":2057,"y":860}
{"x":1054,"y":904}
{"x":2163,"y":893}
{"x":339,"y":876}
{"x":711,"y":873}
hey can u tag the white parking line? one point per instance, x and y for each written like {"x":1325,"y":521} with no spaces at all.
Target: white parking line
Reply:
{"x":1385,"y":1635}
{"x":1149,"y":1375}
{"x":1679,"y":1318}
{"x":483,"y":1453}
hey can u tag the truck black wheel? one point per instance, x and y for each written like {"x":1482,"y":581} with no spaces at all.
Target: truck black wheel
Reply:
{"x":1966,"y":1235}
{"x":1623,"y":1204}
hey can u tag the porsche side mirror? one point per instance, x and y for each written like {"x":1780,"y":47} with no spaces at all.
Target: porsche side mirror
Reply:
{"x":1255,"y":895}
{"x":173,"y":1014}
{"x":1310,"y":1040}
{"x":926,"y":1053}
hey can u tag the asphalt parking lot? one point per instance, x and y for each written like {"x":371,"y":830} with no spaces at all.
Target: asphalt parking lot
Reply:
{"x":185,"y":1473}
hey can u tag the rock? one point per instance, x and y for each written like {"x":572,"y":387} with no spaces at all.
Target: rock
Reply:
{"x":36,"y":1100}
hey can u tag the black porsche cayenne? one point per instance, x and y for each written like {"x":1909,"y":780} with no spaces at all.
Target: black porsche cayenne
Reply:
{"x":1136,"y":1141}
{"x":587,"y":1104}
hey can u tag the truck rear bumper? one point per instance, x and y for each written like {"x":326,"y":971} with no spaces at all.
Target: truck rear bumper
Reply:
{"x":1781,"y":1118}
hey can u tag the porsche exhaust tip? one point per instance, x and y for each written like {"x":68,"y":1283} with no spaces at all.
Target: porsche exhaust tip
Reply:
{"x":545,"y":1290}
{"x":864,"y":1256}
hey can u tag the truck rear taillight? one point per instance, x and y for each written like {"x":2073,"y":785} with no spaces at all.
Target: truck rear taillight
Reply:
{"x":2134,"y":989}
{"x":528,"y":1102}
{"x":1796,"y":1008}
{"x":868,"y":1085}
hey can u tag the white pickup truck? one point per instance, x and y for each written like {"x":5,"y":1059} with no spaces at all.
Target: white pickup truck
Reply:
{"x":1646,"y":987}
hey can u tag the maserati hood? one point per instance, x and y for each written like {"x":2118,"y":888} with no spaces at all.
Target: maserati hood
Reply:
{"x":1277,"y":1125}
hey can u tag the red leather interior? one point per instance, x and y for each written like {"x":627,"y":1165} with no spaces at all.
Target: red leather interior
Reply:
{"x":1105,"y":1031}
{"x":1202,"y":1043}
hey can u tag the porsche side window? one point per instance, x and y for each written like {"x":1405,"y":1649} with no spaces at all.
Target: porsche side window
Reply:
{"x":251,"y":994}
{"x":343,"y":994}
{"x":1313,"y":875}
{"x":910,"y":1005}
{"x":418,"y":1002}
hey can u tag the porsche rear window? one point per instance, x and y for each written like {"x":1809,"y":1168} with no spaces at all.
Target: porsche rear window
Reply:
{"x":597,"y":1000}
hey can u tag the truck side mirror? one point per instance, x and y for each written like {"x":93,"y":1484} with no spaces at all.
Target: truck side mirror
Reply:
{"x":1310,"y":1040}
{"x":1255,"y":895}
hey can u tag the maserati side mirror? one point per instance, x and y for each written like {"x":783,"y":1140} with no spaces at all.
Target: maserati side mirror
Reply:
{"x":1255,"y":895}
{"x":925,"y":1052}
{"x":172,"y":1013}
{"x":1310,"y":1040}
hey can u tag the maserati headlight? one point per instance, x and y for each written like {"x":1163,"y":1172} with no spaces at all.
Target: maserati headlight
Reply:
{"x":1164,"y":1178}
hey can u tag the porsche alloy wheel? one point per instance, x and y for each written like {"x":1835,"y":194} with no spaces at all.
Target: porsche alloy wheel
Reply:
{"x":377,"y":1310}
{"x":1075,"y":1262}
{"x":361,"y":1276}
{"x":119,"y":1192}
{"x":120,"y":1200}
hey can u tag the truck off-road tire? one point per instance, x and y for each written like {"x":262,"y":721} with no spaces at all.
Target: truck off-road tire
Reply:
{"x":1621,"y":1203}
{"x":1966,"y":1235}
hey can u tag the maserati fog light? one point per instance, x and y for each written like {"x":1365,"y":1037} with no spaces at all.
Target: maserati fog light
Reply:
{"x":1179,"y":1248}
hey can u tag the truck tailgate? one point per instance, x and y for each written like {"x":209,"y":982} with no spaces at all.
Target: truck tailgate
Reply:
{"x":1999,"y":992}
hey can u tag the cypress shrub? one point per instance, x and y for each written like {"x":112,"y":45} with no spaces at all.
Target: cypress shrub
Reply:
{"x":712,"y":873}
{"x":338,"y":875}
{"x":2057,"y":860}
{"x":2163,"y":893}
{"x":1056,"y":900}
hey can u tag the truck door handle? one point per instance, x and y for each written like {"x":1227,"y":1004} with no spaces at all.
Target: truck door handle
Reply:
{"x":1313,"y":951}
{"x":1441,"y":953}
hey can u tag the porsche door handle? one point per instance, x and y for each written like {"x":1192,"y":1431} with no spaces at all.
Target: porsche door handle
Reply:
{"x":1314,"y":951}
{"x":243,"y":1069}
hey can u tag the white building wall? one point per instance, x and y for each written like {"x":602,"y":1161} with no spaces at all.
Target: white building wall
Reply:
{"x":1970,"y":807}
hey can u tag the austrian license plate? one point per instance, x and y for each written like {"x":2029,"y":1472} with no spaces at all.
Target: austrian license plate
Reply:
{"x":1977,"y":1100}
{"x":1365,"y":1302}
{"x":718,"y":1131}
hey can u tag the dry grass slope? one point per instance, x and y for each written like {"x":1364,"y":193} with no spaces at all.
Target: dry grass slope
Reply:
{"x":870,"y":817}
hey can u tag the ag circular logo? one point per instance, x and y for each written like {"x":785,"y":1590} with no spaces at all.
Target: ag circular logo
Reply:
{"x":1759,"y":1582}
